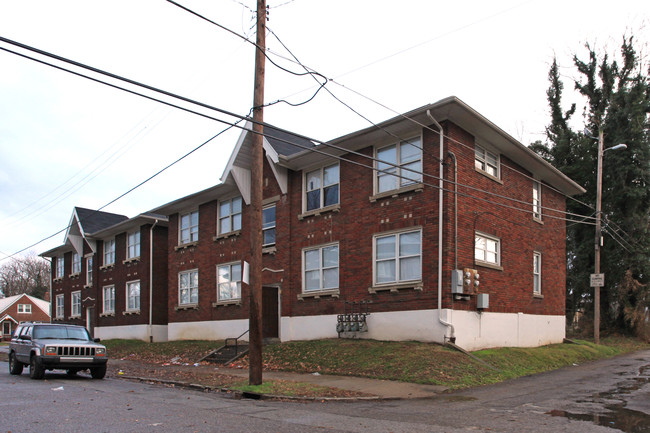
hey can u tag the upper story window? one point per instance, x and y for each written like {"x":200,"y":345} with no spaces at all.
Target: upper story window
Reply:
{"x":268,"y":226}
{"x":230,"y":212}
{"x":59,"y":306}
{"x":133,"y":296}
{"x":188,"y":287}
{"x":399,"y":165}
{"x":59,"y":267}
{"x":109,"y":252}
{"x":76,"y":263}
{"x":487,"y":249}
{"x":76,"y":304}
{"x":229,"y":282}
{"x":133,"y":245}
{"x":486,"y":161}
{"x":537,"y":200}
{"x":109,"y":299}
{"x":322,"y":187}
{"x":89,"y":271}
{"x":321,"y":268}
{"x":398,"y":257}
{"x":537,"y":273}
{"x":189,"y":227}
{"x":25,"y":308}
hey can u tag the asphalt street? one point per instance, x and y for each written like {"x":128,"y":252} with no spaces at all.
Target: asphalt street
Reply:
{"x":602,"y":396}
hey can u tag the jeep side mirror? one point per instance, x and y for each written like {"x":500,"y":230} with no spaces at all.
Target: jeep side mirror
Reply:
{"x":97,"y":340}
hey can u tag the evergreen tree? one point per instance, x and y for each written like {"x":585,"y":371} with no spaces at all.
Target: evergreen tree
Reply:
{"x":617,"y":101}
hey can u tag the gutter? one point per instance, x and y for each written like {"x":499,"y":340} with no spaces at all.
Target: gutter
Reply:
{"x":151,"y":281}
{"x":450,"y":327}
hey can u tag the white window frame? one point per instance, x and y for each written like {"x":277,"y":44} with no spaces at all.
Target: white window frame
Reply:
{"x":229,"y":282}
{"x":190,"y":233}
{"x":108,"y":302}
{"x":321,"y":269}
{"x":24,"y":308}
{"x":76,"y":263}
{"x":397,"y":257}
{"x":133,"y":245}
{"x":537,"y":273}
{"x":234,"y":219}
{"x":109,"y":252}
{"x":484,"y":160}
{"x":133,"y":301}
{"x":486,"y":251}
{"x":60,"y":267}
{"x":75,"y":304}
{"x":190,"y":287}
{"x":397,"y":169}
{"x":269,"y":226}
{"x":60,"y":306}
{"x":537,"y":200}
{"x":89,"y":271}
{"x":321,"y":188}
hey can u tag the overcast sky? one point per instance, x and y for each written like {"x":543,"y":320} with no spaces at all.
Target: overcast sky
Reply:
{"x":66,"y":141}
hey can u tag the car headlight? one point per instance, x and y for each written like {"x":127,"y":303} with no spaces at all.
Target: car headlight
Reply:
{"x":100,"y":351}
{"x":50,"y":350}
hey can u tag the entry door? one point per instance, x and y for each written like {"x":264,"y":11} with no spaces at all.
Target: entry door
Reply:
{"x":270,"y":314}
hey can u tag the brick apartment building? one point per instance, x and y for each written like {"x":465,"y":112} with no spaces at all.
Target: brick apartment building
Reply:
{"x":393,"y":221}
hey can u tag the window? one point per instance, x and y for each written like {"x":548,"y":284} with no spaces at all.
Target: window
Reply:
{"x":537,"y":273}
{"x":109,"y":299}
{"x":537,"y":200}
{"x":189,"y":227}
{"x":322,"y":187}
{"x":399,"y":165}
{"x":76,"y":304}
{"x":230,"y":215}
{"x":76,"y":263}
{"x":398,"y":257}
{"x":486,"y":161}
{"x":109,"y":252}
{"x":59,"y":267}
{"x":486,"y":249}
{"x":133,"y":245}
{"x":133,"y":296}
{"x":321,"y":268}
{"x":59,"y":306}
{"x":229,"y":282}
{"x":25,"y":308}
{"x":268,"y":226}
{"x":188,"y":287}
{"x":89,"y":271}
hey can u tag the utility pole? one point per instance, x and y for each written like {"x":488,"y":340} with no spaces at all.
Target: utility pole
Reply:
{"x":599,"y":197}
{"x":255,"y":288}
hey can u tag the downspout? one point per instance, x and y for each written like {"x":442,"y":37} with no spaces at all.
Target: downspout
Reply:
{"x":50,"y":289}
{"x":151,"y":281}
{"x":450,"y":327}
{"x":450,"y":153}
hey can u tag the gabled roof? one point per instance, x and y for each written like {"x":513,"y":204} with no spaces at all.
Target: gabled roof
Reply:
{"x":130,"y":224}
{"x":192,"y":201}
{"x":5,"y":303}
{"x":93,"y":221}
{"x":7,"y":316}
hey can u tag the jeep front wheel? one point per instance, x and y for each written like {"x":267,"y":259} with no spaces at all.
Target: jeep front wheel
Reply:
{"x":36,"y":371}
{"x":15,"y":367}
{"x":98,"y":372}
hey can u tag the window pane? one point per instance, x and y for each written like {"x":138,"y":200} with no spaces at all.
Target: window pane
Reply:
{"x":236,"y":222}
{"x":331,"y":194}
{"x":312,"y":280}
{"x":385,"y":247}
{"x":268,"y":217}
{"x":409,"y":151}
{"x":412,"y":173}
{"x":331,"y":278}
{"x":331,"y":175}
{"x":409,"y":268}
{"x":312,"y":260}
{"x":224,"y":209}
{"x":269,"y":237}
{"x":313,"y":180}
{"x":409,"y":244}
{"x":236,"y":272}
{"x":313,"y":199}
{"x":224,"y":226}
{"x":385,"y":271}
{"x":330,"y":256}
{"x":388,"y":154}
{"x":194,"y":296}
{"x":236,"y":205}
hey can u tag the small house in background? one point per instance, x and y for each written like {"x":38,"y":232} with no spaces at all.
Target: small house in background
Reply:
{"x":21,"y":308}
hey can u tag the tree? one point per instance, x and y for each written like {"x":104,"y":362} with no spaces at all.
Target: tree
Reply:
{"x":30,"y":274}
{"x":616,"y":95}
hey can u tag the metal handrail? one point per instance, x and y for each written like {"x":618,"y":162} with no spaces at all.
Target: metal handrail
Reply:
{"x":236,"y":340}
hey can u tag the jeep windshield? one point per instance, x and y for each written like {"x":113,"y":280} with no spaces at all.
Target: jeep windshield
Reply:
{"x":60,"y":333}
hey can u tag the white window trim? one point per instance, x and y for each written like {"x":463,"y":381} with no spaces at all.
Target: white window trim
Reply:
{"x":498,"y":252}
{"x":76,"y":264}
{"x":189,"y":271}
{"x":270,"y":227}
{"x":230,"y":215}
{"x":322,"y":187}
{"x":537,"y":201}
{"x":60,"y":305}
{"x":106,"y":252}
{"x":104,"y":310}
{"x":128,"y":297}
{"x":410,"y":283}
{"x":72,"y":304}
{"x":60,"y":267}
{"x":27,"y":308}
{"x":484,"y":161}
{"x":230,"y":265}
{"x":321,"y":290}
{"x":180,"y":227}
{"x":137,"y":245}
{"x":537,"y":273}
{"x":398,"y":167}
{"x":89,"y":271}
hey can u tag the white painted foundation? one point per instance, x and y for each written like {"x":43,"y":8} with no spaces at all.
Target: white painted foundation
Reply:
{"x":208,"y":330}
{"x":132,"y":332}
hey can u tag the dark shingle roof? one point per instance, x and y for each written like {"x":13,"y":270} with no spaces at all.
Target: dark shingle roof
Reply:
{"x":281,"y":140}
{"x":92,"y":221}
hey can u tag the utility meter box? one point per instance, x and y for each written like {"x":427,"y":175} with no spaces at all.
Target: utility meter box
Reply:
{"x":457,"y":282}
{"x":482,"y":301}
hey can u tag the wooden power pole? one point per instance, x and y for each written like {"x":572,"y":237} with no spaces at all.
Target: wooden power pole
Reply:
{"x":255,"y":287}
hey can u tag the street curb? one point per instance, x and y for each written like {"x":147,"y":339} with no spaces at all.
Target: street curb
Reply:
{"x":250,"y":395}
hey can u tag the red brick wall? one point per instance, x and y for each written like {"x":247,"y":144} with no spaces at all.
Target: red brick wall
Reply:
{"x":37,"y":315}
